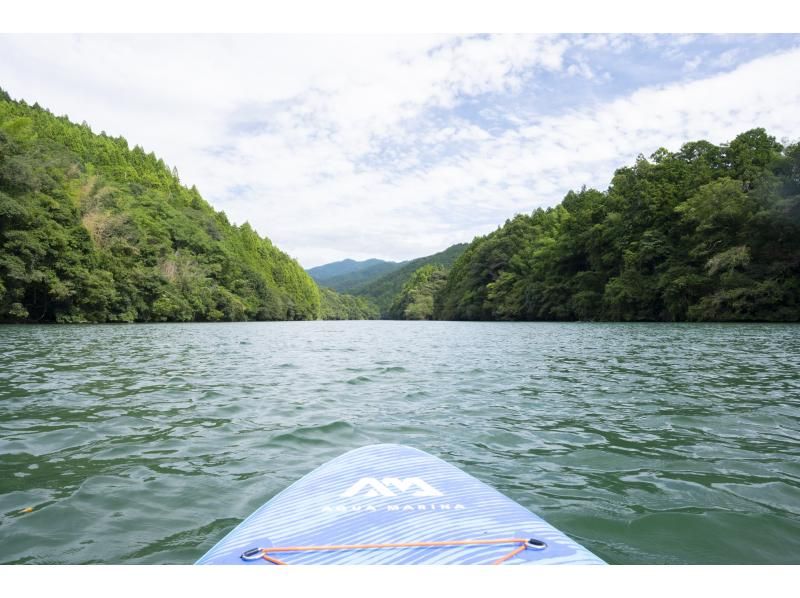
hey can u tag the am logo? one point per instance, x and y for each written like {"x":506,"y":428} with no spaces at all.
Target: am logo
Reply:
{"x":372,"y":487}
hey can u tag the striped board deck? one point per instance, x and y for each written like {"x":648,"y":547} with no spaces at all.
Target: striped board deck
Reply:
{"x":384,"y":495}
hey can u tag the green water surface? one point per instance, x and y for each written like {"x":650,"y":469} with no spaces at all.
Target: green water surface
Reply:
{"x":648,"y":443}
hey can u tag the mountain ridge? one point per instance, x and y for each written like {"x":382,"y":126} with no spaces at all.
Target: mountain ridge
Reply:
{"x":92,"y":230}
{"x":348,"y":272}
{"x":345,"y":266}
{"x":382,"y":290}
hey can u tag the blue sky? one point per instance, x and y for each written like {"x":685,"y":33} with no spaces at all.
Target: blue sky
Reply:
{"x":398,"y":146}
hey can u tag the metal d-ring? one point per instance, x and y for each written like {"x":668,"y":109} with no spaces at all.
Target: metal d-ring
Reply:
{"x":252,"y":555}
{"x":535,"y":544}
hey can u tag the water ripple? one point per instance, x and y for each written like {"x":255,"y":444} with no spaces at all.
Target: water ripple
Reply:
{"x":647,"y":443}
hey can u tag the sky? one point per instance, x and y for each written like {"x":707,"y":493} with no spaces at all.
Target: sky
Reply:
{"x":397,"y":146}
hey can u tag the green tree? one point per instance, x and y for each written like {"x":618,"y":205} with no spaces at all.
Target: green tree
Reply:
{"x":94,"y":231}
{"x":705,"y":233}
{"x":415,"y":301}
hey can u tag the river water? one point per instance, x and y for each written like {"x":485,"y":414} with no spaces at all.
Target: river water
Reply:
{"x":647,"y":443}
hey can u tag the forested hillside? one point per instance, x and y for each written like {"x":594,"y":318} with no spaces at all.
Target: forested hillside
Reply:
{"x":336,"y":306}
{"x":385,"y":289}
{"x":92,"y":230}
{"x":416,"y":300}
{"x":710,"y":232}
{"x":347,"y":275}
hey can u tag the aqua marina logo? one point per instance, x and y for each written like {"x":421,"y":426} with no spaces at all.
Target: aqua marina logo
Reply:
{"x":372,"y":487}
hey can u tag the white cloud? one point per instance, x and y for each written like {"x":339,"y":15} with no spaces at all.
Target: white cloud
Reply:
{"x":374,"y":146}
{"x":692,"y":64}
{"x":580,"y":69}
{"x":726,"y":58}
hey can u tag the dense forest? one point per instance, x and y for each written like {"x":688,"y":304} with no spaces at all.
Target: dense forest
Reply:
{"x":707,"y":233}
{"x":385,"y":289}
{"x":337,"y":306}
{"x":415,"y":301}
{"x":92,"y":230}
{"x":346,"y":275}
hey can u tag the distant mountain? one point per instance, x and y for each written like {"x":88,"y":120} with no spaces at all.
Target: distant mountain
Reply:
{"x":334,"y":269}
{"x":383,"y":290}
{"x":347,"y":274}
{"x":379,"y":281}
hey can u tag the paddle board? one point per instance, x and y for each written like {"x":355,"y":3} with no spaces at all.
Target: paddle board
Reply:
{"x":389,"y":504}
